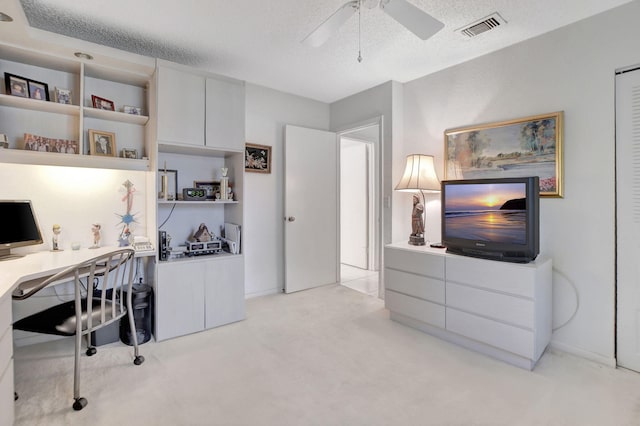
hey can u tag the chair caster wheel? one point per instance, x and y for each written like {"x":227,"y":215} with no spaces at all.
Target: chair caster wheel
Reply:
{"x":79,"y":404}
{"x":91,"y":351}
{"x":139,"y":360}
{"x":15,"y":396}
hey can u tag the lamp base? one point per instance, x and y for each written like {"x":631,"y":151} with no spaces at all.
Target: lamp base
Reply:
{"x":416,"y":240}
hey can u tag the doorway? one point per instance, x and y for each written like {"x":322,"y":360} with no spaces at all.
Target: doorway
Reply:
{"x":359,"y":216}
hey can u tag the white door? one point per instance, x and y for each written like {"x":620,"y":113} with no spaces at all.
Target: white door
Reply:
{"x":311,"y":208}
{"x":628,"y":218}
{"x":354,"y":203}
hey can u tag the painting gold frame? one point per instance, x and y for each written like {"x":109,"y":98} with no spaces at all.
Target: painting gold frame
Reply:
{"x":529,"y":146}
{"x":257,"y":158}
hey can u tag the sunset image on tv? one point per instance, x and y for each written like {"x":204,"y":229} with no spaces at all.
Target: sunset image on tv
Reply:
{"x":494,"y":212}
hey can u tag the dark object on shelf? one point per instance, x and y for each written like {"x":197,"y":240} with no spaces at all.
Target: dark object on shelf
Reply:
{"x":142,"y":305}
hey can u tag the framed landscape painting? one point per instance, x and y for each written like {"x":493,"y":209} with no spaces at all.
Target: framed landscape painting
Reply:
{"x":530,"y":146}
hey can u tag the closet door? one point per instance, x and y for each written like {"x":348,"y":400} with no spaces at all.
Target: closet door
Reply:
{"x":628,"y":218}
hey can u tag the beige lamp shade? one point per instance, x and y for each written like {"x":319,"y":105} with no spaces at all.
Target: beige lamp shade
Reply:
{"x":419,"y":175}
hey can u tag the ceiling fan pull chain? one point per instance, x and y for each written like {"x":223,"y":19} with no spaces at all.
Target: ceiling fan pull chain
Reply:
{"x":359,"y":36}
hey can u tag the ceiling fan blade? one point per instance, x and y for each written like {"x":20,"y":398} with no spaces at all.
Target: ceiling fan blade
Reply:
{"x":331,"y":24}
{"x":413,"y":18}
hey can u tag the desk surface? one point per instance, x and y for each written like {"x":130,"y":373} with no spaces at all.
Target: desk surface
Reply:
{"x":41,"y":264}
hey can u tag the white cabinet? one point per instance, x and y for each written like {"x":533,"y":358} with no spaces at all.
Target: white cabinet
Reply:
{"x":200,"y":110}
{"x":224,"y":291}
{"x":199,"y":293}
{"x":6,"y":360}
{"x":179,"y":299}
{"x":225,"y":111}
{"x":497,"y":308}
{"x":181,"y":101}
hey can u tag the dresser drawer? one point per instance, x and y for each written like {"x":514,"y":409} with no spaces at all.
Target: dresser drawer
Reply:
{"x":418,"y":309}
{"x":518,"y":279}
{"x":431,"y":265}
{"x":503,"y":336}
{"x":510,"y":309}
{"x":414,"y":285}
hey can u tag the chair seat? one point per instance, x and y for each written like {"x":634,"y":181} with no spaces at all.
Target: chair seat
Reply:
{"x":61,"y":319}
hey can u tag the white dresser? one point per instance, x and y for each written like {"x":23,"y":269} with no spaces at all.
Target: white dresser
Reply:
{"x":500,"y":309}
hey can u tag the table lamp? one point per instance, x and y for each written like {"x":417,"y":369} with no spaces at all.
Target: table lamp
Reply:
{"x":419,"y":176}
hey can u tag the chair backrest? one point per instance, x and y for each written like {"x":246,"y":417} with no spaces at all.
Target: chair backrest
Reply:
{"x":115,"y":271}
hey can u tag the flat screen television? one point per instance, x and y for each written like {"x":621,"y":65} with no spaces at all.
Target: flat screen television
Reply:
{"x":19,"y":227}
{"x":495,"y":219}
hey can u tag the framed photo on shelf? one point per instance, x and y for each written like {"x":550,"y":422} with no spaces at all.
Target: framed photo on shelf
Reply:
{"x":102,"y":143}
{"x":171,"y":182}
{"x":16,"y":85}
{"x":257,"y":158}
{"x":129,"y":153}
{"x":62,"y":96}
{"x":38,"y":90}
{"x":133,"y":110}
{"x":102,"y":103}
{"x":212,"y":187}
{"x":529,"y":146}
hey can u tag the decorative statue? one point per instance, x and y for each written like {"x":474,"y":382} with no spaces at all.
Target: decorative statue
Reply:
{"x":417,"y":221}
{"x":95,"y":228}
{"x":56,"y":234}
{"x":202,"y":234}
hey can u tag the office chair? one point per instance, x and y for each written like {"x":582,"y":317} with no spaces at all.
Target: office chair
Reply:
{"x":115,"y":271}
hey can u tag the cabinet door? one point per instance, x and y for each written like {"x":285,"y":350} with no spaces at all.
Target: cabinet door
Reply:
{"x":224,"y":290}
{"x":180,"y":107}
{"x":225,"y":115}
{"x":179,"y":299}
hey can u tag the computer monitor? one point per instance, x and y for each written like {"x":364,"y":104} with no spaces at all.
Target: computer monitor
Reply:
{"x":18,"y":227}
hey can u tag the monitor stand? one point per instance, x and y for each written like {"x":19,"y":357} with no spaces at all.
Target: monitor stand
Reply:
{"x":5,"y":254}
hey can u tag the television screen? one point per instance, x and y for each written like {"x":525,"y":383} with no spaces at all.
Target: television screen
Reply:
{"x":19,"y":226}
{"x":487,"y":212}
{"x":492,"y":218}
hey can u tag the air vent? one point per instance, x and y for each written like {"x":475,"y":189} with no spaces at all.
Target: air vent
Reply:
{"x":483,"y":25}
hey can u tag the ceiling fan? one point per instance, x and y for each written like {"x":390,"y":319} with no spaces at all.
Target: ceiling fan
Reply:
{"x":414,"y":19}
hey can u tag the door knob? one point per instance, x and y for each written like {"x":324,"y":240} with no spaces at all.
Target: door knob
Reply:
{"x":291,"y":218}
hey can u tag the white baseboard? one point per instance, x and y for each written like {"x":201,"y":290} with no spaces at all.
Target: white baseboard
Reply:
{"x":600,"y":359}
{"x":263,"y":293}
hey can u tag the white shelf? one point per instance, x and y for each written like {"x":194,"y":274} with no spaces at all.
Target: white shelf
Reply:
{"x":191,"y":203}
{"x":115,"y":116}
{"x":36,"y":105}
{"x":19,"y":156}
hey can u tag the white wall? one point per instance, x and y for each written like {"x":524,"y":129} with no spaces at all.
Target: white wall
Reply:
{"x":267,"y":111}
{"x":571,"y":69}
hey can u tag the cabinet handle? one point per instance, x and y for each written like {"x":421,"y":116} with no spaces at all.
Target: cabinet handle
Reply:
{"x":291,"y":219}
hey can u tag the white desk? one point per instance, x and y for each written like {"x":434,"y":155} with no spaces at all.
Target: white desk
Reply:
{"x":12,"y":273}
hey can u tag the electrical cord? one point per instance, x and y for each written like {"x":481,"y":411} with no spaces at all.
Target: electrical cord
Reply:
{"x":168,"y":217}
{"x":575,"y":290}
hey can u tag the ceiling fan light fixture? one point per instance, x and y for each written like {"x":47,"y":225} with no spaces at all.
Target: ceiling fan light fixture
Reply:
{"x":83,"y":55}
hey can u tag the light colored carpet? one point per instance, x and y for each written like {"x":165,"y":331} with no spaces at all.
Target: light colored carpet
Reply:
{"x":328,"y":356}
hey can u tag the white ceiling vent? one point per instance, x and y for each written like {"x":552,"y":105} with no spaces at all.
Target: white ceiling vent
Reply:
{"x":483,"y":25}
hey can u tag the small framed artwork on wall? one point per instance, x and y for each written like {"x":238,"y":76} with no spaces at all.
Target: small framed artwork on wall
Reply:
{"x":257,"y":158}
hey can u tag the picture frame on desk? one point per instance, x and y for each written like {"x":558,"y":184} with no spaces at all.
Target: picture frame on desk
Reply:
{"x":171,"y":182}
{"x":16,"y":85}
{"x":102,"y":103}
{"x":212,"y":188}
{"x":38,"y":90}
{"x":102,"y":143}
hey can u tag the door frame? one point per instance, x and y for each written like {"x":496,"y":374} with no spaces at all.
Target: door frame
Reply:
{"x":378,"y":153}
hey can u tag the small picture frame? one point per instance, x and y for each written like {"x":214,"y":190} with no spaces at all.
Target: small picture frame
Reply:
{"x":16,"y":85}
{"x":172,"y":184}
{"x":133,"y":110}
{"x":102,"y":143}
{"x":212,"y":187}
{"x":257,"y":158}
{"x":38,"y":90}
{"x":129,"y":153}
{"x":62,"y":96}
{"x":102,"y":103}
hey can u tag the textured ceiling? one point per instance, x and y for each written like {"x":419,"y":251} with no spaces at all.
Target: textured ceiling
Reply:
{"x":259,"y":40}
